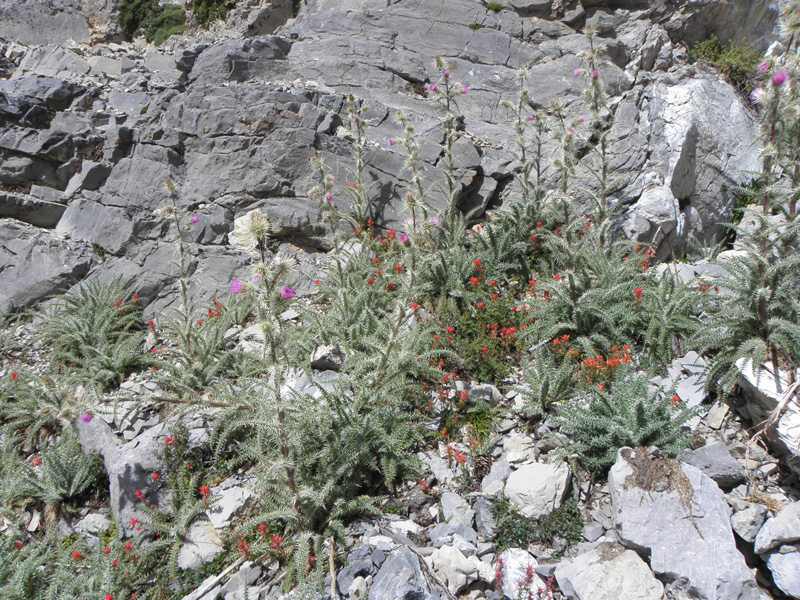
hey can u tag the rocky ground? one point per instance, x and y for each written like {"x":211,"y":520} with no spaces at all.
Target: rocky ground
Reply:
{"x":90,"y":128}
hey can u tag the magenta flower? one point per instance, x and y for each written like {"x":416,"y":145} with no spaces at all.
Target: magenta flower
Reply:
{"x":434,"y":221}
{"x":86,"y":417}
{"x":432,"y":87}
{"x":570,"y":131}
{"x":404,"y":238}
{"x":464,"y":90}
{"x":531,"y":117}
{"x":576,"y":72}
{"x":236,"y":286}
{"x":195,"y":218}
{"x":287,"y":293}
{"x":329,"y":197}
{"x":390,"y":142}
{"x":763,"y":66}
{"x":582,"y":118}
{"x":595,"y":73}
{"x":778,"y":77}
{"x":446,"y":73}
{"x":756,"y":94}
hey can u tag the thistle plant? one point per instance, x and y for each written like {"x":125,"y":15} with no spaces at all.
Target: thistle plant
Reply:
{"x":629,"y":414}
{"x":758,"y":318}
{"x":96,"y":331}
{"x":444,"y":94}
{"x":529,"y":146}
{"x":63,"y":471}
{"x":600,"y":123}
{"x":38,"y":407}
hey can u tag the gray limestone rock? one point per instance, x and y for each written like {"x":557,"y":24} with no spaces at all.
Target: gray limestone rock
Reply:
{"x":201,"y":544}
{"x":29,"y":209}
{"x":35,"y":264}
{"x":716,"y":461}
{"x":679,"y":516}
{"x":783,"y":528}
{"x":108,"y":227}
{"x":785,"y":568}
{"x":402,"y":577}
{"x":608,"y":572}
{"x":747,"y":523}
{"x":537,"y":488}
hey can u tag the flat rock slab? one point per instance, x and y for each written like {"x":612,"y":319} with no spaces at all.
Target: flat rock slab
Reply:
{"x":537,"y":488}
{"x":608,"y":572}
{"x":679,"y":516}
{"x":783,"y":528}
{"x":716,"y":461}
{"x":402,"y":576}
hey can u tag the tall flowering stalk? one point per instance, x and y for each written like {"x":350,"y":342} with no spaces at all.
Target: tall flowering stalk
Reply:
{"x":269,"y":285}
{"x":444,"y":95}
{"x":359,"y":195}
{"x":600,"y":124}
{"x":529,"y":145}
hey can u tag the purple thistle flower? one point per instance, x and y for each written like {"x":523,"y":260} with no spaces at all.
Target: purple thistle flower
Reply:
{"x":446,"y":73}
{"x":329,"y":197}
{"x":195,"y":218}
{"x":763,"y":67}
{"x":595,"y":73}
{"x":582,"y":118}
{"x":432,"y":87}
{"x":464,"y":90}
{"x":404,"y":238}
{"x":570,"y":131}
{"x":434,"y":221}
{"x":86,"y":417}
{"x":236,"y":286}
{"x":287,"y":293}
{"x":778,"y":77}
{"x":576,"y":72}
{"x":756,"y":94}
{"x":531,"y":117}
{"x":390,"y":142}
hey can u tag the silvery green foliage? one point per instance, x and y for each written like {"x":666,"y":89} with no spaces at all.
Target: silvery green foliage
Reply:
{"x":629,"y":414}
{"x":65,"y":472}
{"x":96,"y":331}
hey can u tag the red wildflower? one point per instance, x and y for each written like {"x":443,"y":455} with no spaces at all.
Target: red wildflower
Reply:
{"x":155,"y":476}
{"x":473,"y":280}
{"x":390,"y":286}
{"x":376,"y":260}
{"x":414,"y":306}
{"x":117,"y":303}
{"x":128,"y":546}
{"x":370,"y":281}
{"x":398,"y":268}
{"x":18,"y":544}
{"x":199,"y":321}
{"x":262,"y":527}
{"x":449,"y":329}
{"x":477,"y":262}
{"x":77,"y":555}
{"x":37,"y":461}
{"x":139,"y":494}
{"x":13,"y":375}
{"x":109,"y":596}
{"x":106,"y":550}
{"x":204,"y":490}
{"x":480,"y":304}
{"x":152,"y":324}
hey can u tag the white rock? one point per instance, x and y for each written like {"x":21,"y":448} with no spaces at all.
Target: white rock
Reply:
{"x":201,"y":545}
{"x":783,"y":528}
{"x":459,"y":570}
{"x":516,"y":563}
{"x":231,"y":503}
{"x":608,"y":572}
{"x":537,"y":488}
{"x":358,"y":589}
{"x":518,"y":447}
{"x":93,"y":524}
{"x":405,"y":527}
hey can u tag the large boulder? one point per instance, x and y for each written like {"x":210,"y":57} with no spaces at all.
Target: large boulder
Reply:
{"x":678,"y":516}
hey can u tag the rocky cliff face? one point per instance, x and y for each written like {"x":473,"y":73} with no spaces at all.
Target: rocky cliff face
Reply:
{"x":90,"y":131}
